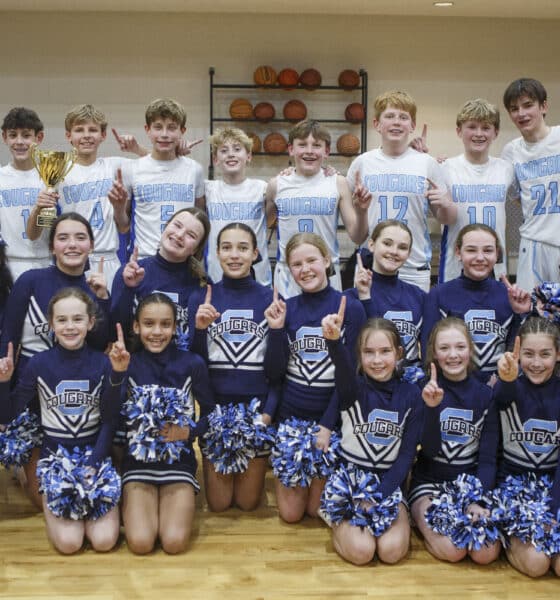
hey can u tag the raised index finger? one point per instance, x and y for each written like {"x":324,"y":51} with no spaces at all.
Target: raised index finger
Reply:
{"x":10,"y":354}
{"x":101,"y":263}
{"x":274,"y":294}
{"x":359,"y":260}
{"x":431,"y":184}
{"x":517,"y":348}
{"x":119,"y":175}
{"x":134,"y":256}
{"x":117,"y":136}
{"x":424,"y":134}
{"x":342,"y":308}
{"x":358,"y":178}
{"x":208,"y":298}
{"x":433,"y":373}
{"x":505,"y":281}
{"x":120,"y":335}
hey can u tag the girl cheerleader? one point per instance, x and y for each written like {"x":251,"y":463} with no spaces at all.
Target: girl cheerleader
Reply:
{"x":175,"y":270}
{"x":460,"y":437}
{"x":491,"y":309}
{"x":381,"y":291}
{"x":79,"y":391}
{"x":297,"y":355}
{"x":381,"y":426}
{"x":529,"y":472}
{"x":159,"y":470}
{"x":231,"y":333}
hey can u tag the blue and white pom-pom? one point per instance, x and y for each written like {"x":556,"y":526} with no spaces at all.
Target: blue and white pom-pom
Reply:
{"x":73,"y":489}
{"x":19,"y":438}
{"x":147,"y":410}
{"x":352,"y":494}
{"x":182,"y":340}
{"x":295,"y":458}
{"x":548,"y":293}
{"x":447,"y":514}
{"x":235,"y":433}
{"x":525,"y":501}
{"x":412,"y":374}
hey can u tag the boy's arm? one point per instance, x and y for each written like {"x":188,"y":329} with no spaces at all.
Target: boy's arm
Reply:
{"x":270,"y":206}
{"x":354,"y":208}
{"x":200,"y":203}
{"x":438,"y":195}
{"x":44,"y":200}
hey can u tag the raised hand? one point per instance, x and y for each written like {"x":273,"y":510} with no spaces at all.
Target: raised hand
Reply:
{"x":119,"y":356}
{"x":206,"y":312}
{"x":332,"y":324}
{"x":519,"y":299}
{"x":184,"y":147}
{"x":276,"y":313}
{"x":133,"y":273}
{"x":508,"y":363}
{"x":432,"y":394}
{"x":420,"y":144}
{"x":364,"y":278}
{"x":97,"y":281}
{"x":362,"y":196}
{"x":7,"y":364}
{"x":128,"y":143}
{"x":118,"y":194}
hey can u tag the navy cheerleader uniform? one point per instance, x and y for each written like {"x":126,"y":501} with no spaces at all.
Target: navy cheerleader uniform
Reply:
{"x":184,"y":371}
{"x":25,"y":317}
{"x":485,"y":308}
{"x":460,"y":436}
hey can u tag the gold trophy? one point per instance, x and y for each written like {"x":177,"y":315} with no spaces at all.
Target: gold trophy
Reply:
{"x":52,"y":167}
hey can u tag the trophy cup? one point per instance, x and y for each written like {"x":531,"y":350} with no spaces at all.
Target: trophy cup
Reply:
{"x":52,"y":167}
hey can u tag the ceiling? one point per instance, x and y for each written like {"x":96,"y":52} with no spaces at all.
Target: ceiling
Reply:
{"x":526,"y":9}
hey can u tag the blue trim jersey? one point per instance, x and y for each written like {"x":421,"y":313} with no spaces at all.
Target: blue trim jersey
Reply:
{"x":79,"y":395}
{"x":399,"y":302}
{"x":460,"y":435}
{"x":173,"y":279}
{"x":398,"y":185}
{"x":530,"y":420}
{"x":298,"y":353}
{"x":234,"y":344}
{"x":242,"y":203}
{"x":485,"y":308}
{"x":480,"y":193}
{"x":159,"y":188}
{"x":25,"y":317}
{"x":537,"y":172}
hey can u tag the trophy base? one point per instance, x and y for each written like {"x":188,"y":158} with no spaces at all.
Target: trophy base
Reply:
{"x":46,"y":217}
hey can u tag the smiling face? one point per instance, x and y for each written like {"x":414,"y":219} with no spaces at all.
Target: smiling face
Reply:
{"x":70,"y":322}
{"x":309,"y":268}
{"x":390,"y":250}
{"x":236,"y":253}
{"x":155,"y":325}
{"x":308,"y":155}
{"x":538,"y":357}
{"x":71,"y":246}
{"x":181,"y":237}
{"x":165,"y":134}
{"x":528,"y":116}
{"x":478,"y":253}
{"x":231,"y":158}
{"x":378,"y":356}
{"x":394,"y":125}
{"x":19,"y":142}
{"x":86,"y":138}
{"x":452,"y":353}
{"x":477,"y":136}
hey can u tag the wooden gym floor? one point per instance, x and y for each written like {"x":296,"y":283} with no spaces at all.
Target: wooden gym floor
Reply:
{"x":239,"y":557}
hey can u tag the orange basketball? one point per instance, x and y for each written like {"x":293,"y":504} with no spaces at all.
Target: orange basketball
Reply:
{"x":288,"y":78}
{"x":310,"y":79}
{"x":264,"y":111}
{"x":295,"y":110}
{"x":349,"y":79}
{"x":241,"y":109}
{"x":264,"y":75}
{"x":348,"y":144}
{"x":355,"y":112}
{"x":275,"y":143}
{"x":256,"y":142}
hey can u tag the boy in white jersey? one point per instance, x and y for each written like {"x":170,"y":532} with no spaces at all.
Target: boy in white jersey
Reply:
{"x":404,"y":182}
{"x":161,"y":183}
{"x":479,"y":184}
{"x":20,"y":185}
{"x":536,"y":159}
{"x":235,"y":197}
{"x":309,"y":200}
{"x":85,"y":188}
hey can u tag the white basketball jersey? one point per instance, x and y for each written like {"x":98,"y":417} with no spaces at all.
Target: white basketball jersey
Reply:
{"x":18,"y":194}
{"x":242,"y":203}
{"x":480,"y":193}
{"x":399,"y":185}
{"x":537,"y":171}
{"x":159,"y":189}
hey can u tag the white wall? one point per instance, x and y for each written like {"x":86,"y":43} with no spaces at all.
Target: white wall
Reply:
{"x":120,"y":62}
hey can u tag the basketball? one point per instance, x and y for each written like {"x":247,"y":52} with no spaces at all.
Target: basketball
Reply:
{"x":275,"y":143}
{"x":349,"y":79}
{"x":348,"y":144}
{"x":241,"y":109}
{"x":355,"y":113}
{"x":264,"y":111}
{"x":264,"y":75}
{"x":256,"y":142}
{"x":295,"y":110}
{"x":310,"y":79}
{"x":288,"y":78}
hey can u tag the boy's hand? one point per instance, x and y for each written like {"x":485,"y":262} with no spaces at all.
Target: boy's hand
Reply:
{"x":7,"y":364}
{"x":128,"y":143}
{"x":118,"y":194}
{"x":432,"y":394}
{"x":332,"y":324}
{"x":97,"y":281}
{"x":508,"y":363}
{"x":206,"y":313}
{"x":47,"y":199}
{"x":364,"y":277}
{"x":276,"y":313}
{"x":119,"y":356}
{"x":362,"y":196}
{"x":519,"y":299}
{"x":420,"y":143}
{"x":133,"y":273}
{"x":184,"y":147}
